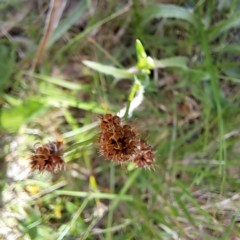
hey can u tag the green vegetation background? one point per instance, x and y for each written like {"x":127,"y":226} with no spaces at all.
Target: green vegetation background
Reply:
{"x":190,"y":115}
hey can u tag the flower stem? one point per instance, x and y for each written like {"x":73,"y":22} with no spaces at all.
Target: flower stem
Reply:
{"x":135,"y":98}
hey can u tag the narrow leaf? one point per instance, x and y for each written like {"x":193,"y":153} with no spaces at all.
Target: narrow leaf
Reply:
{"x":116,"y":72}
{"x":64,"y":25}
{"x":169,"y":11}
{"x":180,"y":62}
{"x":223,"y":26}
{"x":60,"y":82}
{"x":95,"y":195}
{"x":68,"y":101}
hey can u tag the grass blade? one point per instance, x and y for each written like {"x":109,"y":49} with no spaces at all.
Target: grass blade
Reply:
{"x":78,"y":12}
{"x":95,"y":195}
{"x":223,"y":26}
{"x":169,"y":11}
{"x":180,"y":62}
{"x":91,"y":28}
{"x":116,"y":72}
{"x":60,"y":82}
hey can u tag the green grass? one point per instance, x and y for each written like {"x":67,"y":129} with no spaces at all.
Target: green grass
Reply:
{"x":190,"y":115}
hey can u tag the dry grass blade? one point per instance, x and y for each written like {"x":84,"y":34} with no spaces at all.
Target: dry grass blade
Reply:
{"x":54,"y":15}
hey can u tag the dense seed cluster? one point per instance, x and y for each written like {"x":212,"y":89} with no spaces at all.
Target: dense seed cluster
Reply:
{"x":145,"y":158}
{"x":120,"y":143}
{"x":117,"y":142}
{"x":48,"y":157}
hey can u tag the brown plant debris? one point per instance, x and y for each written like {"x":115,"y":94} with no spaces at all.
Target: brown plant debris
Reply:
{"x":121,"y":143}
{"x":48,"y":157}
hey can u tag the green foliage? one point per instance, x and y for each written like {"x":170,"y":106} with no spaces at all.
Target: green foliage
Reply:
{"x":186,"y":67}
{"x":223,"y":27}
{"x":117,"y":73}
{"x":30,"y":224}
{"x":14,"y":117}
{"x":7,"y":62}
{"x":6,"y":3}
{"x":169,"y":11}
{"x":178,"y":62}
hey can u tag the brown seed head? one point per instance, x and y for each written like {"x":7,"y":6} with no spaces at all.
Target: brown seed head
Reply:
{"x":146,"y":157}
{"x":48,"y":157}
{"x":116,"y":142}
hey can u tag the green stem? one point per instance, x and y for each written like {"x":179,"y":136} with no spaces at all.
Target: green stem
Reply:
{"x":110,"y":213}
{"x":135,"y":88}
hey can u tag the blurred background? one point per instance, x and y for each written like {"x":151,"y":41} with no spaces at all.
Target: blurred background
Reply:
{"x":189,"y":115}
